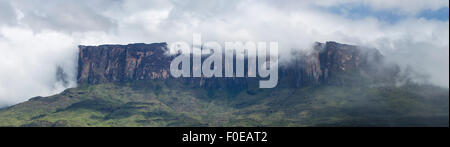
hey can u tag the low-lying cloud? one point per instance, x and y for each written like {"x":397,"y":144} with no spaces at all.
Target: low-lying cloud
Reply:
{"x":38,"y":36}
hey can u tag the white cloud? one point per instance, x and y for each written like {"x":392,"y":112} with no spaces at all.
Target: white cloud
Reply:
{"x":47,"y":32}
{"x":29,"y":62}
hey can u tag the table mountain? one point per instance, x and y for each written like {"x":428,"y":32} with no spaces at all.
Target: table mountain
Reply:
{"x":121,"y":63}
{"x":332,"y":85}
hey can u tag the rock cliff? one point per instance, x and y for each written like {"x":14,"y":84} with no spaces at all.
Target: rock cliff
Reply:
{"x":114,"y":63}
{"x":323,"y":65}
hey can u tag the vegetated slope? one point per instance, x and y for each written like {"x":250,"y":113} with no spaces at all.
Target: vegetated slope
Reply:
{"x":175,"y":103}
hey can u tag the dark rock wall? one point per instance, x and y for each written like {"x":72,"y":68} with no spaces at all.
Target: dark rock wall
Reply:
{"x":113,"y":63}
{"x":116,"y":63}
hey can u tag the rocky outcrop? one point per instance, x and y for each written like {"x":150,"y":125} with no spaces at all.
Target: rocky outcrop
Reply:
{"x":327,"y":61}
{"x":116,"y":63}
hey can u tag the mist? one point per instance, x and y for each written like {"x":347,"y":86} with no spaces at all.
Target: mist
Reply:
{"x":39,"y":37}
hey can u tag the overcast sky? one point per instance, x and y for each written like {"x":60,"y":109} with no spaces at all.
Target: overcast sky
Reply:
{"x":37,"y":36}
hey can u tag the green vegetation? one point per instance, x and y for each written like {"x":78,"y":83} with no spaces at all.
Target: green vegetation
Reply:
{"x":173,"y":103}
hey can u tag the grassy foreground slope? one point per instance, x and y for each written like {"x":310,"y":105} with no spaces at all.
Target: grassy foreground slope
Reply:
{"x":171,"y":103}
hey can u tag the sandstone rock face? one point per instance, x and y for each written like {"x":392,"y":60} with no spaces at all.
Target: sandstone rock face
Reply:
{"x":114,"y":63}
{"x":119,"y":63}
{"x":327,"y":61}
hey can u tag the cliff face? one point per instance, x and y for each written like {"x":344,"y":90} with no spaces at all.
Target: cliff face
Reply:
{"x":116,"y":63}
{"x":327,"y":61}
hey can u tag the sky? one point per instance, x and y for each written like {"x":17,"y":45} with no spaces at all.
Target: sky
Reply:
{"x":38,"y":37}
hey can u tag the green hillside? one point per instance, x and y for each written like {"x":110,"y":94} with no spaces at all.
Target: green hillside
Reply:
{"x":172,"y":103}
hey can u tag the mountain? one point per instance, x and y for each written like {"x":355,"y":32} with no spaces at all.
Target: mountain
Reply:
{"x":121,"y":63}
{"x":332,"y":85}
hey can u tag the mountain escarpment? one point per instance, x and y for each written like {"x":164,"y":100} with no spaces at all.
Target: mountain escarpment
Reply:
{"x":133,"y":62}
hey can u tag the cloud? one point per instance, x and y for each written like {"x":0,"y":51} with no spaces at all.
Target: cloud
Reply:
{"x":38,"y":36}
{"x":29,"y":62}
{"x":7,"y":14}
{"x":66,"y":16}
{"x":405,"y":7}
